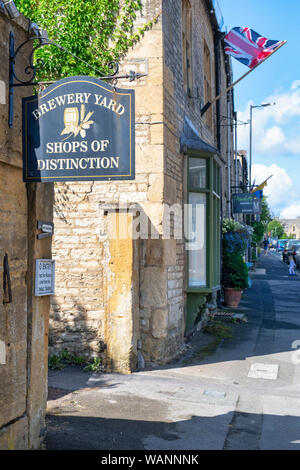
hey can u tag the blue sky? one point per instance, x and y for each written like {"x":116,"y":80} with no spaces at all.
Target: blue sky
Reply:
{"x":276,"y":129}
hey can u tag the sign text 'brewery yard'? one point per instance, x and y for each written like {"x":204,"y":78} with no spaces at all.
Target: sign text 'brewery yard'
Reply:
{"x":79,"y":129}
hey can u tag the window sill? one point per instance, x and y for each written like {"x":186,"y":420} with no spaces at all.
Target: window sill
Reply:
{"x":202,"y":290}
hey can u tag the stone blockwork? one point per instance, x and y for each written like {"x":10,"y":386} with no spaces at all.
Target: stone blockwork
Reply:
{"x":23,"y":321}
{"x":81,"y":245}
{"x":80,"y":308}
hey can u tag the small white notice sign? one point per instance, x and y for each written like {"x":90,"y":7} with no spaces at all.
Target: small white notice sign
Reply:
{"x":44,"y":277}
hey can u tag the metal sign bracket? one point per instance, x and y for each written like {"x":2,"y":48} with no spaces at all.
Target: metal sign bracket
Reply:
{"x":32,"y":68}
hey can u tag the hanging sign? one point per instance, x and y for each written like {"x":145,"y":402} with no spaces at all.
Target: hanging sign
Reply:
{"x":79,"y":129}
{"x":258,"y":193}
{"x":246,"y":203}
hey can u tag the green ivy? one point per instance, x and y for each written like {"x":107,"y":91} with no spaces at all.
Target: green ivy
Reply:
{"x":97,"y":31}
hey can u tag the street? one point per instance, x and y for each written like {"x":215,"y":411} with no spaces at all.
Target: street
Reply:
{"x":245,"y":394}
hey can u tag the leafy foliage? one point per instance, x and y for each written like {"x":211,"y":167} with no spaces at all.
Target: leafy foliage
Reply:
{"x":234,"y":242}
{"x":234,"y":268}
{"x":235,"y":271}
{"x":260,"y":227}
{"x":94,"y":366}
{"x":276,"y":229}
{"x":231,"y":225}
{"x":217,"y":329}
{"x":97,"y":31}
{"x":65,"y":358}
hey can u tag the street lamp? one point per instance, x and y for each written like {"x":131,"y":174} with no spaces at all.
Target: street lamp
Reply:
{"x":263,"y":105}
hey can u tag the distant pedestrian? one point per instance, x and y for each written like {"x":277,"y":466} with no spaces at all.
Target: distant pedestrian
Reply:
{"x":292,"y":266}
{"x":266,"y":246}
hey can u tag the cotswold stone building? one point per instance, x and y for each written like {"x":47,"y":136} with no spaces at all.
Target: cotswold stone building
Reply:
{"x":119,"y":295}
{"x":291,"y":227}
{"x":24,"y":317}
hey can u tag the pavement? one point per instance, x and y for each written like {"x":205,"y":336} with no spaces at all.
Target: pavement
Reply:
{"x":243,"y":394}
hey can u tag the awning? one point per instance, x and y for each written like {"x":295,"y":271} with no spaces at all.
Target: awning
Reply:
{"x":190,"y":139}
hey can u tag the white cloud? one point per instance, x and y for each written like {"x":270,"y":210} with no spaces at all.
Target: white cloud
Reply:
{"x":275,"y":131}
{"x":276,"y":140}
{"x":291,"y":212}
{"x":279,"y":187}
{"x":273,"y":136}
{"x":295,"y":85}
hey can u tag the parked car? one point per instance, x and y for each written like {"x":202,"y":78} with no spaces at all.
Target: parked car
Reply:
{"x":290,"y":250}
{"x":281,"y":244}
{"x":297,"y":256}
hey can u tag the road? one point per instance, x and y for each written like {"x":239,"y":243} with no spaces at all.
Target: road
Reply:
{"x":244,"y":395}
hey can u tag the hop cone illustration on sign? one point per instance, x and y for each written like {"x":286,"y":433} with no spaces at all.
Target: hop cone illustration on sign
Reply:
{"x":72,"y":124}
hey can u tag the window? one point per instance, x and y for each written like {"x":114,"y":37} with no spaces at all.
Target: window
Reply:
{"x":207,"y":84}
{"x":203,"y":216}
{"x":187,"y":46}
{"x":197,"y":239}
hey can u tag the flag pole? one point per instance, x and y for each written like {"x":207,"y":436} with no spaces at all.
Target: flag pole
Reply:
{"x":261,"y":185}
{"x":209,"y":103}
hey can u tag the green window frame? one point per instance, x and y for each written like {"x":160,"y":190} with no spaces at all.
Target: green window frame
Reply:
{"x":212,"y":192}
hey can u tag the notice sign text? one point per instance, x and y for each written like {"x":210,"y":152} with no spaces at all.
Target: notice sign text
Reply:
{"x":44,"y":277}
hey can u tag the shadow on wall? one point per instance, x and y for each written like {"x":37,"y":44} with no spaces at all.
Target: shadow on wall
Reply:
{"x":80,"y":328}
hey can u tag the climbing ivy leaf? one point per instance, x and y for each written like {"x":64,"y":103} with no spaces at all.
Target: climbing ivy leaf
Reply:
{"x":97,"y":31}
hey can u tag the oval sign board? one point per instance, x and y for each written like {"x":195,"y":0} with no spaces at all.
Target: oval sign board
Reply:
{"x":79,"y":128}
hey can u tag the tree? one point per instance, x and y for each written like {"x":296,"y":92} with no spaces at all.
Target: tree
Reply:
{"x":276,"y":229}
{"x":97,"y":31}
{"x":260,"y":227}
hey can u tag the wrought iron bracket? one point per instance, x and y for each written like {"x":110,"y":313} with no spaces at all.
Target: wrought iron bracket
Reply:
{"x":32,"y":68}
{"x":7,"y":293}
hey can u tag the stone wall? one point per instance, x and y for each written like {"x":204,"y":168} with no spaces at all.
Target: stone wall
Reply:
{"x":24,"y":321}
{"x":81,"y":245}
{"x":178,"y":105}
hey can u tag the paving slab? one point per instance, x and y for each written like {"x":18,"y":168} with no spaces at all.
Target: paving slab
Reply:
{"x":263,"y":371}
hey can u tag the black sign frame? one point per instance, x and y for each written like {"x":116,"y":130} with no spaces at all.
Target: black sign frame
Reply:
{"x":246,"y":203}
{"x":88,"y":128}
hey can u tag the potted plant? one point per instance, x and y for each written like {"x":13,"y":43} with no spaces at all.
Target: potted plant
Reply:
{"x":234,"y":269}
{"x":234,"y":278}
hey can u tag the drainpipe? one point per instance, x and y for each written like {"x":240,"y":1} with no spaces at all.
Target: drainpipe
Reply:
{"x":228,"y":158}
{"x":217,"y":39}
{"x":235,"y":150}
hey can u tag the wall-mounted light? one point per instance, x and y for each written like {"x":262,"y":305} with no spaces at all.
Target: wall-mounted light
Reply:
{"x":11,"y":9}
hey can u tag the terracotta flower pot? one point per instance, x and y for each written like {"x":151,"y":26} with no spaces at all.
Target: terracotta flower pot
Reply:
{"x":232,"y":297}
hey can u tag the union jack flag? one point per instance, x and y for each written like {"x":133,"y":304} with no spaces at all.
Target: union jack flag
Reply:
{"x":249,"y":47}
